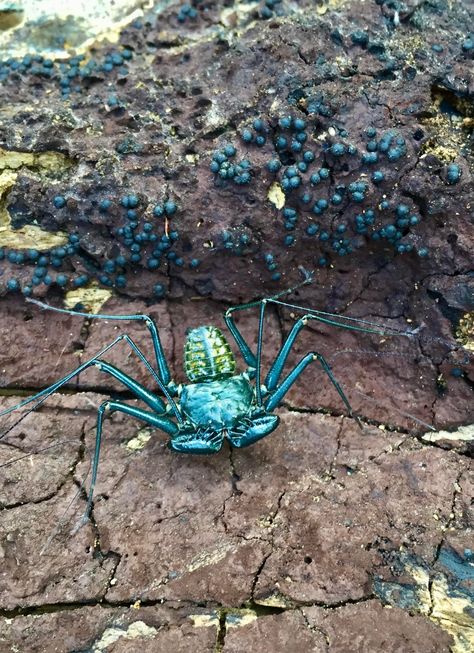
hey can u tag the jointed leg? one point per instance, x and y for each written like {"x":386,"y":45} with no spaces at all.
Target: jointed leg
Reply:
{"x":244,"y":348}
{"x":140,"y":391}
{"x":277,"y":396}
{"x":162,"y":423}
{"x":162,"y":365}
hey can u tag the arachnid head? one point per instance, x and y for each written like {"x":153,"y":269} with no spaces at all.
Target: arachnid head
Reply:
{"x":207,"y":355}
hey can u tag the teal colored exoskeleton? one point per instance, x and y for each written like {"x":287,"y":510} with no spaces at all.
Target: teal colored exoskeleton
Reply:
{"x":218,"y":403}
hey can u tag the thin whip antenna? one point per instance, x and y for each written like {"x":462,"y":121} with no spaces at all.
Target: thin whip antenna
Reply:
{"x":62,"y":519}
{"x":401,"y":412}
{"x":36,"y":405}
{"x":27,"y":454}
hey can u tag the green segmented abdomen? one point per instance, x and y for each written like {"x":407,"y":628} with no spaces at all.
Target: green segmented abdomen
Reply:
{"x":207,"y":355}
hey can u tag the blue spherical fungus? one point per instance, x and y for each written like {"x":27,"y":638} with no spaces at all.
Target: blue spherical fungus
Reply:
{"x":369,"y":157}
{"x":468,"y":44}
{"x":13,"y":284}
{"x":378,"y":176}
{"x":80,"y":281}
{"x":129,"y":201}
{"x":308,"y":156}
{"x":453,"y":173}
{"x":33,"y":254}
{"x":336,"y":199}
{"x":105,"y":205}
{"x":322,"y":261}
{"x":194,"y":263}
{"x":288,"y":241}
{"x":312,"y":229}
{"x":242,"y":179}
{"x":280,"y":142}
{"x":371,"y":132}
{"x":246,"y":135}
{"x":322,"y":204}
{"x":295,"y":182}
{"x":285,"y":122}
{"x":230,"y":150}
{"x":260,"y":140}
{"x":153,"y":263}
{"x":402,"y":210}
{"x":295,"y":146}
{"x":299,"y":124}
{"x":219,"y":156}
{"x":289,"y":213}
{"x":170,"y":207}
{"x":258,"y":125}
{"x":395,"y":153}
{"x":62,"y":280}
{"x":423,"y":252}
{"x":457,"y":372}
{"x":158,"y":211}
{"x":133,"y":201}
{"x":27,"y":290}
{"x":109,"y":266}
{"x":59,"y":201}
{"x":159,"y":290}
{"x":274,"y":165}
{"x":324,"y":173}
{"x":337,"y":149}
{"x":315,"y":179}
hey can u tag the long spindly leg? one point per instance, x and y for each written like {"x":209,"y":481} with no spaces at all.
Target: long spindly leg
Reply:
{"x":163,"y":423}
{"x":247,"y":354}
{"x":347,"y":322}
{"x":275,"y":371}
{"x":162,"y":365}
{"x":276,"y":397}
{"x":140,"y":391}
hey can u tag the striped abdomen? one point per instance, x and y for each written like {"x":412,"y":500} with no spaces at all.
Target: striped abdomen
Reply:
{"x":207,"y":355}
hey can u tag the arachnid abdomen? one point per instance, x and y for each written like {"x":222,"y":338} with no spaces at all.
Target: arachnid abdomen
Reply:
{"x":207,"y":355}
{"x":218,"y":404}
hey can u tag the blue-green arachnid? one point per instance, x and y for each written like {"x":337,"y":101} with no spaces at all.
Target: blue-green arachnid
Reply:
{"x":218,"y":403}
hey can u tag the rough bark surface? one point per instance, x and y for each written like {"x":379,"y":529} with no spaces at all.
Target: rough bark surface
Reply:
{"x":323,"y":537}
